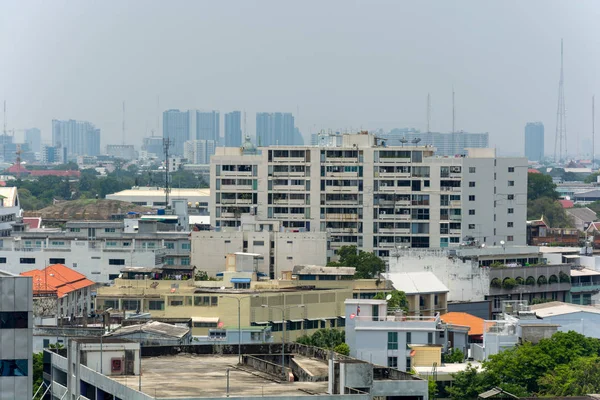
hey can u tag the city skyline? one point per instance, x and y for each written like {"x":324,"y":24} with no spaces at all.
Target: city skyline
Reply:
{"x":326,"y":77}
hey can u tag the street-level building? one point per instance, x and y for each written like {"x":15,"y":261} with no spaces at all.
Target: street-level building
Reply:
{"x":155,"y":197}
{"x":376,"y":197}
{"x":16,"y":340}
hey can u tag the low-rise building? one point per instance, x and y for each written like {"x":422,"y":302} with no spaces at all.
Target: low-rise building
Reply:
{"x":425,"y":293}
{"x":16,"y":326}
{"x":75,"y":293}
{"x":391,"y":340}
{"x":582,"y":217}
{"x":90,"y":369}
{"x":585,"y":286}
{"x":570,"y":317}
{"x":155,"y":196}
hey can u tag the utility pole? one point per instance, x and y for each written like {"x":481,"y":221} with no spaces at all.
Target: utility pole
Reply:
{"x":166,"y":145}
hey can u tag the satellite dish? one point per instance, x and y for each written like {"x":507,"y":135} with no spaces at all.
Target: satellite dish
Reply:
{"x":388,"y":297}
{"x":502,"y":242}
{"x":483,"y":245}
{"x":416,"y":140}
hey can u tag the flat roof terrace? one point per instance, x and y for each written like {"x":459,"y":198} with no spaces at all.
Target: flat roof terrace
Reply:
{"x":202,"y":376}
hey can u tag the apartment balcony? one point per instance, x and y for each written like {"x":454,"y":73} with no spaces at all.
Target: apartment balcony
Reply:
{"x":450,"y":189}
{"x":288,"y":216}
{"x":227,"y":201}
{"x":342,"y":231}
{"x":341,"y":189}
{"x":285,"y":188}
{"x":289,"y":173}
{"x":341,"y":217}
{"x":455,"y":203}
{"x":455,"y":217}
{"x":387,"y":160}
{"x":455,"y":231}
{"x":298,"y":202}
{"x":386,"y":230}
{"x":585,"y":287}
{"x":389,"y":216}
{"x":227,"y":215}
{"x":341,"y":174}
{"x":395,"y":189}
{"x":392,"y":174}
{"x":341,"y":203}
{"x":289,"y":160}
{"x":236,"y":173}
{"x":386,"y":245}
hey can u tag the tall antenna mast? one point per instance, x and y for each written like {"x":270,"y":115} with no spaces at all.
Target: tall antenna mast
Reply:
{"x":593,"y":133}
{"x":245,"y":130}
{"x":4,"y":131}
{"x":157,"y":114}
{"x":166,"y":145}
{"x":123,"y":127}
{"x":428,"y":112}
{"x":560,"y":138}
{"x":4,"y":135}
{"x":453,"y":112}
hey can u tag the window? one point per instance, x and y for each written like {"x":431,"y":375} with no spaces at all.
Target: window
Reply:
{"x":509,"y":238}
{"x":471,"y":184}
{"x":130,"y":304}
{"x":511,"y":169}
{"x":27,"y":260}
{"x":156,"y":305}
{"x":258,"y":243}
{"x":255,"y":336}
{"x":169,"y":245}
{"x":14,"y":320}
{"x":392,"y":362}
{"x":472,"y":197}
{"x":185,"y":261}
{"x":471,"y":212}
{"x":408,"y":363}
{"x":392,"y":340}
{"x":510,"y":197}
{"x":186,"y":246}
{"x":205,"y":324}
{"x":116,"y":261}
{"x":13,"y":367}
{"x":57,"y":243}
{"x":74,"y":230}
{"x":2,"y":260}
{"x":471,"y":170}
{"x":57,"y":261}
{"x":429,"y":337}
{"x":511,"y":183}
{"x":509,"y":224}
{"x":471,"y":226}
{"x":511,"y":210}
{"x":111,"y":244}
{"x":408,"y":337}
{"x":109,"y":230}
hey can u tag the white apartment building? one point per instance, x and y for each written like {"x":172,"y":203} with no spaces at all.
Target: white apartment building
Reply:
{"x":16,"y":336}
{"x":96,"y":249}
{"x":379,"y":198}
{"x":10,"y":210}
{"x":199,"y":151}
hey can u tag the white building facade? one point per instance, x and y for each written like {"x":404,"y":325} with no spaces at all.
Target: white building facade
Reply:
{"x":199,"y":151}
{"x":373,"y":196}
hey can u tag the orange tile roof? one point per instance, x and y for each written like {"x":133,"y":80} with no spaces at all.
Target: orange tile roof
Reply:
{"x":57,"y":278}
{"x":474,"y":323}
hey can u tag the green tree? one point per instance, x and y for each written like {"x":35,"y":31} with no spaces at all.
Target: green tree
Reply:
{"x":468,"y":384}
{"x":539,"y":185}
{"x":38,"y":372}
{"x":551,"y":209}
{"x":342,"y":348}
{"x":397,"y":301}
{"x":432,"y":388}
{"x":453,"y":356}
{"x":580,"y":377}
{"x":368,"y":265}
{"x":323,"y":338}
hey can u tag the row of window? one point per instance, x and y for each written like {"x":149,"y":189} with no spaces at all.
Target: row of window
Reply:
{"x":14,"y":320}
{"x":14,"y":367}
{"x":472,"y":169}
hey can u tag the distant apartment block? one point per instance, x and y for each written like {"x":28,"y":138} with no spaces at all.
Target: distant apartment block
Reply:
{"x":208,"y":125}
{"x":122,"y":151}
{"x":54,"y":154}
{"x":233,"y":129}
{"x":153,"y":145}
{"x":534,"y":141}
{"x":374,"y":196}
{"x":446,"y":144}
{"x":77,"y":137}
{"x":182,"y":126}
{"x":199,"y":151}
{"x":274,"y":129}
{"x":33,"y":137}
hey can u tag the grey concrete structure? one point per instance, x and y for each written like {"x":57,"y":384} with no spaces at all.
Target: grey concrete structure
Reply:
{"x":16,"y":340}
{"x":534,"y":141}
{"x":233,"y":129}
{"x":373,"y":196}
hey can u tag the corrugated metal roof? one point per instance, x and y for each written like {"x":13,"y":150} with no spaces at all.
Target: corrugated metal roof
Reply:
{"x":321,"y":270}
{"x":152,"y":327}
{"x":417,"y":282}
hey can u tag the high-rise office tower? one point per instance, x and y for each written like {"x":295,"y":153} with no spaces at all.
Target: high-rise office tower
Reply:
{"x":534,"y":141}
{"x":153,"y":145}
{"x":33,"y":137}
{"x":208,"y":126}
{"x":274,"y":129}
{"x":176,"y":128}
{"x":233,"y":129}
{"x":79,"y":138}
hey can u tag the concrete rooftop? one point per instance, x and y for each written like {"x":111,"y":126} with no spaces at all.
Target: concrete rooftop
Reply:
{"x":189,"y":376}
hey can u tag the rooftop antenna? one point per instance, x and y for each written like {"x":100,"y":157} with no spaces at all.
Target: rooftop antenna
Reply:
{"x":593,"y":133}
{"x":4,"y":134}
{"x":245,"y":131}
{"x":123,"y":127}
{"x":157,"y":114}
{"x":166,"y":145}
{"x":428,"y":112}
{"x":561,"y":116}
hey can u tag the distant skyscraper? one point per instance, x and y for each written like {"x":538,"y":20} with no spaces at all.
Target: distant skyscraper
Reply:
{"x":79,"y":138}
{"x":233,"y":129}
{"x":534,"y":141}
{"x":33,"y":137}
{"x":176,"y":128}
{"x":208,"y":126}
{"x":199,"y":151}
{"x":153,"y":145}
{"x":274,"y":129}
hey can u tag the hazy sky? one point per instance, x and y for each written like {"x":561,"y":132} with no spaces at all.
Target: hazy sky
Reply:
{"x":341,"y":64}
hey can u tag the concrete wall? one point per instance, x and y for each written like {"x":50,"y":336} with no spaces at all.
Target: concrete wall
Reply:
{"x":587,"y":324}
{"x":481,"y":309}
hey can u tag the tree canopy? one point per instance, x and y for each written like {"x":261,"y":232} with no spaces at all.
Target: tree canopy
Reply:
{"x":397,"y":301}
{"x":552,"y":211}
{"x":539,"y":185}
{"x":324,"y":338}
{"x":368,"y":265}
{"x":566,"y":364}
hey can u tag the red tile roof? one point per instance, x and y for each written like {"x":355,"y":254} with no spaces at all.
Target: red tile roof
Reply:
{"x":17,"y":169}
{"x":52,"y":172}
{"x":57,"y":278}
{"x":533,"y":171}
{"x":474,"y":323}
{"x":566,"y":203}
{"x":33,"y":222}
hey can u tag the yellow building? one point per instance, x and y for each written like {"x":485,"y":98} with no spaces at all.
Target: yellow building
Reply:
{"x":308,"y":305}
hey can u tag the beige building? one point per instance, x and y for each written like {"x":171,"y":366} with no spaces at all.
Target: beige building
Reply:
{"x":362,"y":192}
{"x":309,"y":304}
